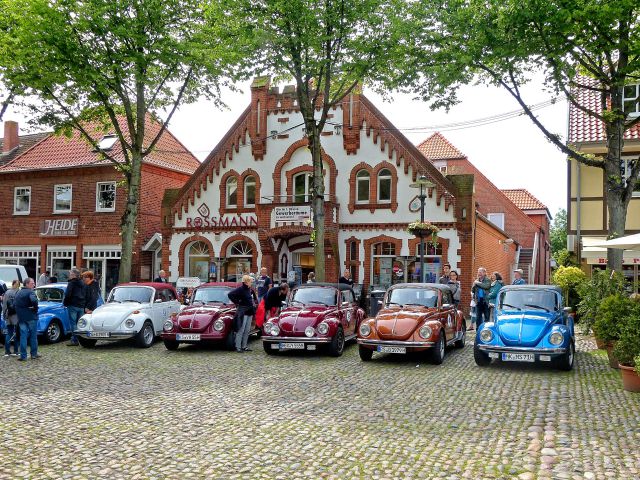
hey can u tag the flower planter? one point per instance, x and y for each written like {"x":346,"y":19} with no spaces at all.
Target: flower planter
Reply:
{"x":421,"y":232}
{"x":630,"y":379}
{"x":613,"y":361}
{"x":600,"y":345}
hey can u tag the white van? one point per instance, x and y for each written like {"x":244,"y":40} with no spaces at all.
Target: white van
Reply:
{"x":8,"y":273}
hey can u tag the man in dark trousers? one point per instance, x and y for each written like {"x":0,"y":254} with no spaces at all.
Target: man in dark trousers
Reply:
{"x":346,"y":278}
{"x":162,"y":277}
{"x":75,"y":299}
{"x":263,"y":283}
{"x":243,"y":299}
{"x":26,"y":304}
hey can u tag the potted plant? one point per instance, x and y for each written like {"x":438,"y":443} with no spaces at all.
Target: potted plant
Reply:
{"x":612,"y":316}
{"x":601,"y":284}
{"x":424,"y":229}
{"x":627,"y":349}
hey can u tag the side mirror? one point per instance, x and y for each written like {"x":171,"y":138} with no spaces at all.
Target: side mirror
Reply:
{"x":158,"y":300}
{"x":345,"y":304}
{"x":567,"y":309}
{"x":186,"y":301}
{"x":446,"y":305}
{"x":380,"y":302}
{"x":284,"y":304}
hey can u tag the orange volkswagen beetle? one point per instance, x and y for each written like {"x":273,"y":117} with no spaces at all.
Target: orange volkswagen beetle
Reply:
{"x":414,"y":317}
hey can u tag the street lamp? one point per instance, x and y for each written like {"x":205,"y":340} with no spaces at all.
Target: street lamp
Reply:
{"x":423,"y":184}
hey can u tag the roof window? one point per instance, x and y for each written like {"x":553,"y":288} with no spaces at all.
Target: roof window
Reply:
{"x":107,"y":142}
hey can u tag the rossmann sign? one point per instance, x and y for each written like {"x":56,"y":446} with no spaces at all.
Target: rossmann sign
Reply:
{"x":206,"y":220}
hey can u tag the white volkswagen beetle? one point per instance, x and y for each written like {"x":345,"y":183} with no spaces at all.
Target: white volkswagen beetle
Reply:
{"x":132,"y":310}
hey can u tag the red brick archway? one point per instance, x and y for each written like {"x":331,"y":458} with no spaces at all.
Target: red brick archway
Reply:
{"x":236,"y":238}
{"x":188,"y":242}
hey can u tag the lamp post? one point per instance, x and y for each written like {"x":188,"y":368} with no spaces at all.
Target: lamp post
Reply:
{"x":422,"y":183}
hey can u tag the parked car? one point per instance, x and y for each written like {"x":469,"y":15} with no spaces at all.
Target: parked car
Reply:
{"x":207,"y":319}
{"x":132,"y":310}
{"x":53,"y":319}
{"x":316,"y":314}
{"x":9,"y":273}
{"x":531,"y":325}
{"x":414,"y":317}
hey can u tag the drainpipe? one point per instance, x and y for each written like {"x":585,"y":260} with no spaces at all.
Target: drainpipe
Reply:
{"x":578,"y":209}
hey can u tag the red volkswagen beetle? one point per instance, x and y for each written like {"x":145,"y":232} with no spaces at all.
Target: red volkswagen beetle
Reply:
{"x":208,"y":318}
{"x":316,"y":314}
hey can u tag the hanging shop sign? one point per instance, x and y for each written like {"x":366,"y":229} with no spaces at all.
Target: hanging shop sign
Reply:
{"x":292,"y":213}
{"x":59,"y":227}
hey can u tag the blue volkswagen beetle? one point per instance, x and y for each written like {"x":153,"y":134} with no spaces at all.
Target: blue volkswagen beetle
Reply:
{"x":531,"y":325}
{"x":53,"y":320}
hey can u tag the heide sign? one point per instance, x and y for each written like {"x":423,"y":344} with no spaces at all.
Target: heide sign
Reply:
{"x":59,"y":227}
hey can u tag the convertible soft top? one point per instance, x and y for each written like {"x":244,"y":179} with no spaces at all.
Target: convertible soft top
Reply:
{"x":437,"y":286}
{"x":339,"y":286}
{"x":533,"y":287}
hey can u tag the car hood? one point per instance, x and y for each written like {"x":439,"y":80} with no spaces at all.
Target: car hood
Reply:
{"x":523,"y":328}
{"x":110,"y":315}
{"x":198,"y":317}
{"x":294,"y":320}
{"x":400,"y":323}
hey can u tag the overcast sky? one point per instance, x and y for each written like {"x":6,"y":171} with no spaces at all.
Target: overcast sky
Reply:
{"x":511,"y":153}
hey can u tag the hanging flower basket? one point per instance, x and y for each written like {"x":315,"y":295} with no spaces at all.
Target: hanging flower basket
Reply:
{"x":424,"y":229}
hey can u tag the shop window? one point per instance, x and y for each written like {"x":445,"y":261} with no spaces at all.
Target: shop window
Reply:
{"x":301,"y":187}
{"x":384,"y":186}
{"x":232,"y":192}
{"x":362,"y":186}
{"x":198,"y":261}
{"x":250,"y":191}
{"x":62,"y":198}
{"x":22,"y":201}
{"x":386,"y":270}
{"x":238,"y":261}
{"x":384,"y":248}
{"x":105,"y":196}
{"x":353,"y":251}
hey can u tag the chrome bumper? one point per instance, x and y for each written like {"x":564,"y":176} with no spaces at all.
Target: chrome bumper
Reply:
{"x":296,"y":339}
{"x":503,"y":349}
{"x":394,"y":343}
{"x":112,"y":335}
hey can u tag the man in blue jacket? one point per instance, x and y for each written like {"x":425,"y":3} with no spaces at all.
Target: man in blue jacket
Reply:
{"x":75,"y":299}
{"x":26,"y":304}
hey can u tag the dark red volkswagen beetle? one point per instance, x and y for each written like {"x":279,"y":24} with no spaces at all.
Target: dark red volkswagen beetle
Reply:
{"x":208,"y":319}
{"x":316,"y":314}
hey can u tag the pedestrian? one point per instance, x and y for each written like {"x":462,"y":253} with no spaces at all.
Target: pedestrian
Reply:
{"x":27,"y":310}
{"x":243,"y":299}
{"x":454,"y":285}
{"x":346,"y":278}
{"x":518,"y":280}
{"x":311,"y":278}
{"x":263,"y":283}
{"x":75,"y":299}
{"x":10,"y":319}
{"x":43,"y":279}
{"x":162,"y":277}
{"x":479,"y":290}
{"x":446,"y":269}
{"x":492,"y":296}
{"x":92,"y":292}
{"x":273,"y":302}
{"x":53,"y":280}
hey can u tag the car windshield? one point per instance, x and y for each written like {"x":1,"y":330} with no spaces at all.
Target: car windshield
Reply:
{"x":8,"y":275}
{"x":314,"y":296}
{"x":544,"y":300}
{"x":48,"y":294}
{"x":413,"y":296}
{"x":212,"y":295}
{"x":130,"y":294}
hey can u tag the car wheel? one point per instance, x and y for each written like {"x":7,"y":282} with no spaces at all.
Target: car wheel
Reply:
{"x":146,"y":336}
{"x":565,"y":361}
{"x":437,"y":351}
{"x":461,"y":343}
{"x":336,"y":347}
{"x":365,"y":353}
{"x":267,"y":348}
{"x":171,"y":344}
{"x":87,"y":342}
{"x":230,"y":340}
{"x":53,"y":333}
{"x":481,"y":358}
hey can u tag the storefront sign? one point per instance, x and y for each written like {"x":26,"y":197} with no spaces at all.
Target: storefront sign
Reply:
{"x":603,"y":261}
{"x":292,"y":213}
{"x":59,"y":227}
{"x":226,"y":221}
{"x":188,"y":282}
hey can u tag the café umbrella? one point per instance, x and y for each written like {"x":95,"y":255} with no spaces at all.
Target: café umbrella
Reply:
{"x":629,"y":242}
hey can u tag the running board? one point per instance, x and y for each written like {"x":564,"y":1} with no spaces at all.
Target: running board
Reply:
{"x":350,"y":337}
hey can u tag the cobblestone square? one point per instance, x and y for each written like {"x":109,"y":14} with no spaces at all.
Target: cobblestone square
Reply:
{"x":119,"y":412}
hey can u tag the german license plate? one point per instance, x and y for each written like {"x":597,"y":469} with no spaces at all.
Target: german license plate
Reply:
{"x":383,"y":349}
{"x":518,"y":357}
{"x":99,"y":334}
{"x":187,"y":336}
{"x":291,"y":346}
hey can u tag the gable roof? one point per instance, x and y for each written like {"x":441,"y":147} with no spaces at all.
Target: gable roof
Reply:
{"x":437,"y":147}
{"x":26,"y":142}
{"x":56,"y":152}
{"x":523,"y":199}
{"x":584,"y":127}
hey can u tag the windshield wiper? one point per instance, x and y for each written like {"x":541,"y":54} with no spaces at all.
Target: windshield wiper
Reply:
{"x":131,"y":300}
{"x":537,"y":306}
{"x":321,"y":303}
{"x":114,"y":301}
{"x":297,"y":301}
{"x":415,"y":304}
{"x":512,"y":306}
{"x":393,"y":303}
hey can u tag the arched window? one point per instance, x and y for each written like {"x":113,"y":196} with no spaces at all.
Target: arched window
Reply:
{"x":384,"y":186}
{"x":385,"y":269}
{"x":250,"y":191}
{"x":198,"y":261}
{"x":238,"y":261}
{"x":232,"y":192}
{"x":362,"y":186}
{"x":302,"y":187}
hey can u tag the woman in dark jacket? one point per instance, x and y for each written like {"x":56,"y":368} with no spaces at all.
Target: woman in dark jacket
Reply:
{"x":92,"y":292}
{"x":243,"y":298}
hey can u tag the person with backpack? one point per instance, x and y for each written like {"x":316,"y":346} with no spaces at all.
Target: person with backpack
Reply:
{"x":10,"y":319}
{"x":75,"y":299}
{"x":27,"y":310}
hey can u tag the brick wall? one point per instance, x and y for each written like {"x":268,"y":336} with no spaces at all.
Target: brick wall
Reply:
{"x":490,"y":253}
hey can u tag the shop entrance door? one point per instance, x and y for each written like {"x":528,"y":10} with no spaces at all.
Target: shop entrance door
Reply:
{"x":60,"y":269}
{"x":112,"y":272}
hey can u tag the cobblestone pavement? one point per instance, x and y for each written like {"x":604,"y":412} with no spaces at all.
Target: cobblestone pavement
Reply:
{"x":120,"y":412}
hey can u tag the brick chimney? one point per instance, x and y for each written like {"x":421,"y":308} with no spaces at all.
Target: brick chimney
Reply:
{"x":11,"y":139}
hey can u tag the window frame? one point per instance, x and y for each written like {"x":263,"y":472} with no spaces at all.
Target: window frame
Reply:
{"x":307,"y":187}
{"x":248,"y":183}
{"x":389,"y":178}
{"x":227,"y":196}
{"x":366,"y":176}
{"x":636,"y":99}
{"x":115,"y":191}
{"x":627,"y":172}
{"x":15,"y":198}
{"x":503,"y":217}
{"x":55,"y":198}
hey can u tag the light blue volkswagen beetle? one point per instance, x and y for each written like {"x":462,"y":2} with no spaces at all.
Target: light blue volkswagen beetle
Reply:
{"x":531,"y":325}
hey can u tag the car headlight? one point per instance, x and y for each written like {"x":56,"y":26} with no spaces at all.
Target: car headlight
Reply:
{"x":218,"y":325}
{"x":271,"y":329}
{"x":365,"y":330}
{"x":167,"y":326}
{"x":323,"y":328}
{"x":82,"y":323}
{"x":425,"y":332}
{"x":486,"y":335}
{"x":309,"y":332}
{"x":129,"y":323}
{"x":556,"y":338}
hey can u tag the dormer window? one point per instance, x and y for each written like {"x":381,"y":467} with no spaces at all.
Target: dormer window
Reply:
{"x":631,"y":100}
{"x":107,"y":142}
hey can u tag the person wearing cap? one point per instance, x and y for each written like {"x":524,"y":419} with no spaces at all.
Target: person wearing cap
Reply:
{"x":518,"y":280}
{"x":446,"y":269}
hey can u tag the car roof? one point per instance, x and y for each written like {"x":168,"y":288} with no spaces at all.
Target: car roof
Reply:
{"x":220,"y":284}
{"x":155,"y":285}
{"x":54,"y":285}
{"x":533,"y":287}
{"x":437,"y":286}
{"x":339,"y":286}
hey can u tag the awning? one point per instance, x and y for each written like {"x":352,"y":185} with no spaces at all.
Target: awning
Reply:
{"x":154,"y":243}
{"x":595,"y":253}
{"x":628,"y":242}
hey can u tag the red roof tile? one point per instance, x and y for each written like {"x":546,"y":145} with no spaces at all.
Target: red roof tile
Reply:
{"x":26,"y":142}
{"x":437,"y":147}
{"x":57,"y":152}
{"x":586,"y":128}
{"x":524,"y":200}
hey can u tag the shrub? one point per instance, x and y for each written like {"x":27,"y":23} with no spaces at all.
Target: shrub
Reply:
{"x":568,"y":279}
{"x":612,"y":315}
{"x":627,"y":348}
{"x":601,"y":284}
{"x":638,"y":364}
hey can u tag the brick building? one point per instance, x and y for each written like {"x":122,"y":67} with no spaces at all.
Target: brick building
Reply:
{"x":248,"y":203}
{"x":63,"y":204}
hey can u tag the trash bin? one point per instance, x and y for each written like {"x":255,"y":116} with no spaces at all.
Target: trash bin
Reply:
{"x":375,"y":297}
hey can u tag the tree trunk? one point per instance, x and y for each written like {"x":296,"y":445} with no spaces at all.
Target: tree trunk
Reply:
{"x":130,"y":217}
{"x":317,"y":200}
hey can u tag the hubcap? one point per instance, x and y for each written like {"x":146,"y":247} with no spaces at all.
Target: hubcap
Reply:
{"x":340,"y":341}
{"x":571,"y":354}
{"x":53,"y":332}
{"x":441,"y":346}
{"x":148,"y":335}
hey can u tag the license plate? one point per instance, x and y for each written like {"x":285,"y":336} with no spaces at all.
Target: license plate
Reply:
{"x":383,"y":349}
{"x":99,"y":334}
{"x":187,"y":336}
{"x":518,"y":357}
{"x":291,"y":346}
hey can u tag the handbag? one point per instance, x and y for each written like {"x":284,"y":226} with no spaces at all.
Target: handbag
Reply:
{"x":473,"y":303}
